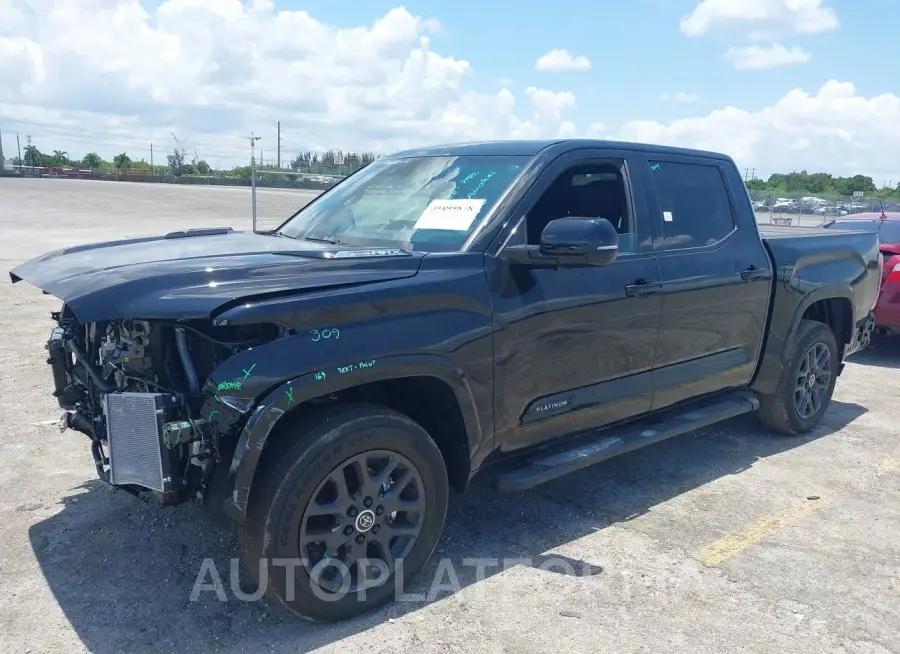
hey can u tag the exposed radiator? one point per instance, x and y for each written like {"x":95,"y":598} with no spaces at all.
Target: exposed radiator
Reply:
{"x":133,"y":424}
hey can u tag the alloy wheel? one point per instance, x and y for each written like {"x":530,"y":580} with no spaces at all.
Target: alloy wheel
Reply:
{"x":813,"y":380}
{"x":363,"y":518}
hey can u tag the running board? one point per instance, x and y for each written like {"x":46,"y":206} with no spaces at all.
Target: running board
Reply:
{"x":614,"y":443}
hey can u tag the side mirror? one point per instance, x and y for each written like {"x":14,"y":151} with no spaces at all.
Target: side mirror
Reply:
{"x":569,"y":243}
{"x":580,"y":241}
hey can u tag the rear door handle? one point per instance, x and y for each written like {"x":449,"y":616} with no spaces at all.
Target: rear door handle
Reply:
{"x":643,"y":288}
{"x":752,"y":273}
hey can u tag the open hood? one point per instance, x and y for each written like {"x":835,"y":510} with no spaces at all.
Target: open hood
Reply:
{"x":192,"y":274}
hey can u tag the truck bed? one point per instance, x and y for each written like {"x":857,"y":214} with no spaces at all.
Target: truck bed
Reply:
{"x":806,"y":258}
{"x":767,"y":232}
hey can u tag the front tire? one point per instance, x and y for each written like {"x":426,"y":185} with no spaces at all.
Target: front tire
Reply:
{"x":807,"y":382}
{"x":348,"y":511}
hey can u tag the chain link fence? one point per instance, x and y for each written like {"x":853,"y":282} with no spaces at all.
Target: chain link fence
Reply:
{"x":812,"y":210}
{"x":279,"y":192}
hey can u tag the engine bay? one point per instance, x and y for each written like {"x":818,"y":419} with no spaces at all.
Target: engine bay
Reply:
{"x":135,"y":388}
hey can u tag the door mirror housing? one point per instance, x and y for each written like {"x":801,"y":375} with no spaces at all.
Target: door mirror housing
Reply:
{"x":594,"y":241}
{"x":569,"y":243}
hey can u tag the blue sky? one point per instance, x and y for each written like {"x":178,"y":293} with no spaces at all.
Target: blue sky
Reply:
{"x":637,"y":52}
{"x":355,"y":75}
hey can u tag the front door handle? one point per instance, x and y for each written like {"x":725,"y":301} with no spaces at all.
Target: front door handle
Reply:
{"x":643,"y":288}
{"x":752,"y":273}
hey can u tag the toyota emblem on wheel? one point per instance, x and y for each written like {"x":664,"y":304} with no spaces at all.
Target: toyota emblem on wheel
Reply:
{"x":364,"y":521}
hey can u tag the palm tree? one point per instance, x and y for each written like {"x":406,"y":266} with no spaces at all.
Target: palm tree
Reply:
{"x":92,"y":160}
{"x":33,"y":156}
{"x":60,"y":157}
{"x":121,"y":161}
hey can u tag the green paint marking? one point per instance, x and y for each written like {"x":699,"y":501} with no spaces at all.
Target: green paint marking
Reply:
{"x":211,"y":414}
{"x":230,"y":386}
{"x":654,"y":166}
{"x":248,"y":371}
{"x":290,"y":395}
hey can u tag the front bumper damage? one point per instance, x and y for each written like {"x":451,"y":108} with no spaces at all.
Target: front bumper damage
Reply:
{"x":139,"y":441}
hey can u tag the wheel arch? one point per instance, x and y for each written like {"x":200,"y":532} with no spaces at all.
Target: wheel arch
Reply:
{"x":831,"y":306}
{"x":429,"y":389}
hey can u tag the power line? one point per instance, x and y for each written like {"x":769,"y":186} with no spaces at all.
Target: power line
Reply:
{"x":222,"y":152}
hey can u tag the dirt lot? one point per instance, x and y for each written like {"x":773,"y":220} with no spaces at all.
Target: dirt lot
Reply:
{"x":706,"y":543}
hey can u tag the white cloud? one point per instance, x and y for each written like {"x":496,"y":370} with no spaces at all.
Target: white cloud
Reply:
{"x":755,"y":57}
{"x":596,"y":130}
{"x":559,"y":60}
{"x":213,"y":71}
{"x":800,"y":16}
{"x":681,"y":98}
{"x":835,"y":131}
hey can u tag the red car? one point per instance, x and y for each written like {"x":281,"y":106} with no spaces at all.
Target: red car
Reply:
{"x":887,"y":226}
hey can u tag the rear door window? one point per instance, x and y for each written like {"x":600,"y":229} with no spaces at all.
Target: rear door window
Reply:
{"x":693,"y":203}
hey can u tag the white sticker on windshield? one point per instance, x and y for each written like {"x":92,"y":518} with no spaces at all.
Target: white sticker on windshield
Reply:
{"x":667,"y":216}
{"x":456,"y":215}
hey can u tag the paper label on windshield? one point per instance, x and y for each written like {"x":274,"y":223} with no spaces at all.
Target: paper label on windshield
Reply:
{"x":456,"y":215}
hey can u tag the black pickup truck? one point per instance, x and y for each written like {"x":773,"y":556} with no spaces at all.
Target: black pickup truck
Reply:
{"x":546,"y":305}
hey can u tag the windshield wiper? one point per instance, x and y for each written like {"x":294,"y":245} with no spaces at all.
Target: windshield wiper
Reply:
{"x":321,"y":240}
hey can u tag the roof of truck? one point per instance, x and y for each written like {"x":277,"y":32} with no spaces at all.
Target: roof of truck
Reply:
{"x":534,"y":147}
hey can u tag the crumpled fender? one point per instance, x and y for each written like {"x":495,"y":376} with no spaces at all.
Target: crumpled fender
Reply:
{"x":281,"y":399}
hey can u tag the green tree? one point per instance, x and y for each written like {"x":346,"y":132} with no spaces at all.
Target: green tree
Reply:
{"x":202,"y":167}
{"x":92,"y":160}
{"x":805,"y":183}
{"x":121,"y":161}
{"x":177,"y":165}
{"x":33,"y":156}
{"x":60,"y":158}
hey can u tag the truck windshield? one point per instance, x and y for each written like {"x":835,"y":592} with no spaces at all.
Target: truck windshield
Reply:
{"x":430,"y":204}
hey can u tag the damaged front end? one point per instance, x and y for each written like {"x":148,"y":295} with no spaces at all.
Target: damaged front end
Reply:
{"x":136,"y":389}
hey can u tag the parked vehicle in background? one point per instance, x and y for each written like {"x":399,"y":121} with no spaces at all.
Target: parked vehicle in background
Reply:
{"x":887,"y":226}
{"x":531,"y":307}
{"x":830,"y":210}
{"x":785,"y":205}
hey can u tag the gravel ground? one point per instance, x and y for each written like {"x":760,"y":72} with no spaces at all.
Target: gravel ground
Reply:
{"x":726,"y":539}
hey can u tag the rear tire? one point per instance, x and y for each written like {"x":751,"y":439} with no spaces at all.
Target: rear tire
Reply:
{"x":807,"y":382}
{"x":325,"y":502}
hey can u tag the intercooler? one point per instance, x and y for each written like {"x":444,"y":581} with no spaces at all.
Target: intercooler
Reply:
{"x":134,"y":428}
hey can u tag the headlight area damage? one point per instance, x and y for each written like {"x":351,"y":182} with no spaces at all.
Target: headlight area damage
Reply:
{"x":134,"y":387}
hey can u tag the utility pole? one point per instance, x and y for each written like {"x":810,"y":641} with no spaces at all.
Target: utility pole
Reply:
{"x":753,"y":174}
{"x":253,"y":139}
{"x":279,"y":145}
{"x":151,"y":161}
{"x":746,"y":172}
{"x":2,"y":160}
{"x":19,"y":148}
